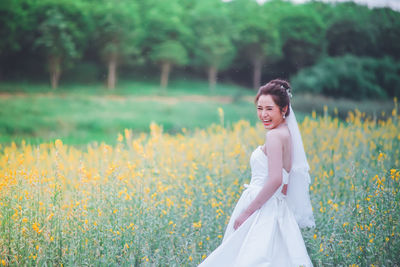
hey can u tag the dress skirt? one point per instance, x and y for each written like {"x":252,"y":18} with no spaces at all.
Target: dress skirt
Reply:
{"x":270,"y":237}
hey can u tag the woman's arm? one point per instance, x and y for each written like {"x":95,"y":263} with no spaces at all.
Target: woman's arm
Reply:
{"x":275,"y":164}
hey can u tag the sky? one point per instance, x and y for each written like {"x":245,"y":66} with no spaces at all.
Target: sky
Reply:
{"x":394,"y":4}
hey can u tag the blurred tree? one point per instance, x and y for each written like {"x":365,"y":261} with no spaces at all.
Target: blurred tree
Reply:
{"x":327,"y":10}
{"x":350,"y":31}
{"x":352,"y":77}
{"x":14,"y":21}
{"x":213,"y":33}
{"x":61,"y":34}
{"x":278,"y":36}
{"x":167,"y":54}
{"x":165,"y":36}
{"x":334,"y":12}
{"x":260,"y":39}
{"x":346,"y":37}
{"x":387,"y":22}
{"x":302,"y":31}
{"x":117,"y":33}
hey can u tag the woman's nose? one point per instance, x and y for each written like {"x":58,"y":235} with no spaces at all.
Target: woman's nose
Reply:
{"x":264,"y":113}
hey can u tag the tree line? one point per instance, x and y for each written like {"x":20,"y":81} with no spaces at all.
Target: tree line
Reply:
{"x":277,"y":38}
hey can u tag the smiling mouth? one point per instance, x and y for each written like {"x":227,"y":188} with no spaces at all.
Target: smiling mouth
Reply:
{"x":267,"y":122}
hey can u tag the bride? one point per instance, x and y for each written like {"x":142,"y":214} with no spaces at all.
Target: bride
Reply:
{"x":264,"y":227}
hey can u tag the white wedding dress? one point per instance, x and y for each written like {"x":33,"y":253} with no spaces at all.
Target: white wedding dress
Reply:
{"x":270,"y":237}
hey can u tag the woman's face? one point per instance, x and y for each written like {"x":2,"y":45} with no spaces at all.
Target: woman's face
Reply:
{"x":269,"y":112}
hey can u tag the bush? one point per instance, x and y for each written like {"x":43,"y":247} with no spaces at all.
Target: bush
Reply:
{"x":351,"y":77}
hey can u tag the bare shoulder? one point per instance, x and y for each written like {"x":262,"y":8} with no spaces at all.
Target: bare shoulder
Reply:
{"x":281,"y":135}
{"x":273,"y":136}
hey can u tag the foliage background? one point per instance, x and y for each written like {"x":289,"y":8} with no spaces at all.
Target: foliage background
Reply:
{"x":239,"y":41}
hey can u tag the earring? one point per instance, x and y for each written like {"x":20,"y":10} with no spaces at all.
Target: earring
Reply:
{"x":284,"y":116}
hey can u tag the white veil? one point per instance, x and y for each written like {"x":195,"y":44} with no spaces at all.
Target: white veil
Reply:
{"x":298,"y":197}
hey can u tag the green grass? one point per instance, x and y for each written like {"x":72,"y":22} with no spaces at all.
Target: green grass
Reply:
{"x":80,"y":119}
{"x":79,"y":114}
{"x":176,"y":87}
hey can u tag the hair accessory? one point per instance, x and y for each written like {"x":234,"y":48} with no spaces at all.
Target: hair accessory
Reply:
{"x":289,"y":93}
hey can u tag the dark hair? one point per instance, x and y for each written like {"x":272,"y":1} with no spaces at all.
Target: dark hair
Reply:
{"x":279,"y":90}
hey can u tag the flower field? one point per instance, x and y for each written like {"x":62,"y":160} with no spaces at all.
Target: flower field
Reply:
{"x":164,"y":200}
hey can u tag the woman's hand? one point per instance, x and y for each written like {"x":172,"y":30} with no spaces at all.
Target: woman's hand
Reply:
{"x":240,"y":220}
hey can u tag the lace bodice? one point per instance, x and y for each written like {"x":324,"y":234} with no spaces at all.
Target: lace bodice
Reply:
{"x":259,"y":168}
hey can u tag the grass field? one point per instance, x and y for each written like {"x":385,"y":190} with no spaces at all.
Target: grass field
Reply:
{"x":79,"y":120}
{"x":80,"y":114}
{"x":155,"y":199}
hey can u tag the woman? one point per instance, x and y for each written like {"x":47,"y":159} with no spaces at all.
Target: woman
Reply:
{"x":264,"y":227}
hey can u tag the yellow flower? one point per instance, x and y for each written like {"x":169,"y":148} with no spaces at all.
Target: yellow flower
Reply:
{"x":58,"y":143}
{"x":120,"y":137}
{"x":128,"y":134}
{"x":197,"y":224}
{"x":221,"y":115}
{"x":50,"y":216}
{"x":36,"y":228}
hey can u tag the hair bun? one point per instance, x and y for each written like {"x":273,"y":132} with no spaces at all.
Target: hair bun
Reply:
{"x":284,"y":84}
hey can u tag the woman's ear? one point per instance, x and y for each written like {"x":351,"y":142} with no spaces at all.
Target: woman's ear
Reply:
{"x":284,"y":110}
